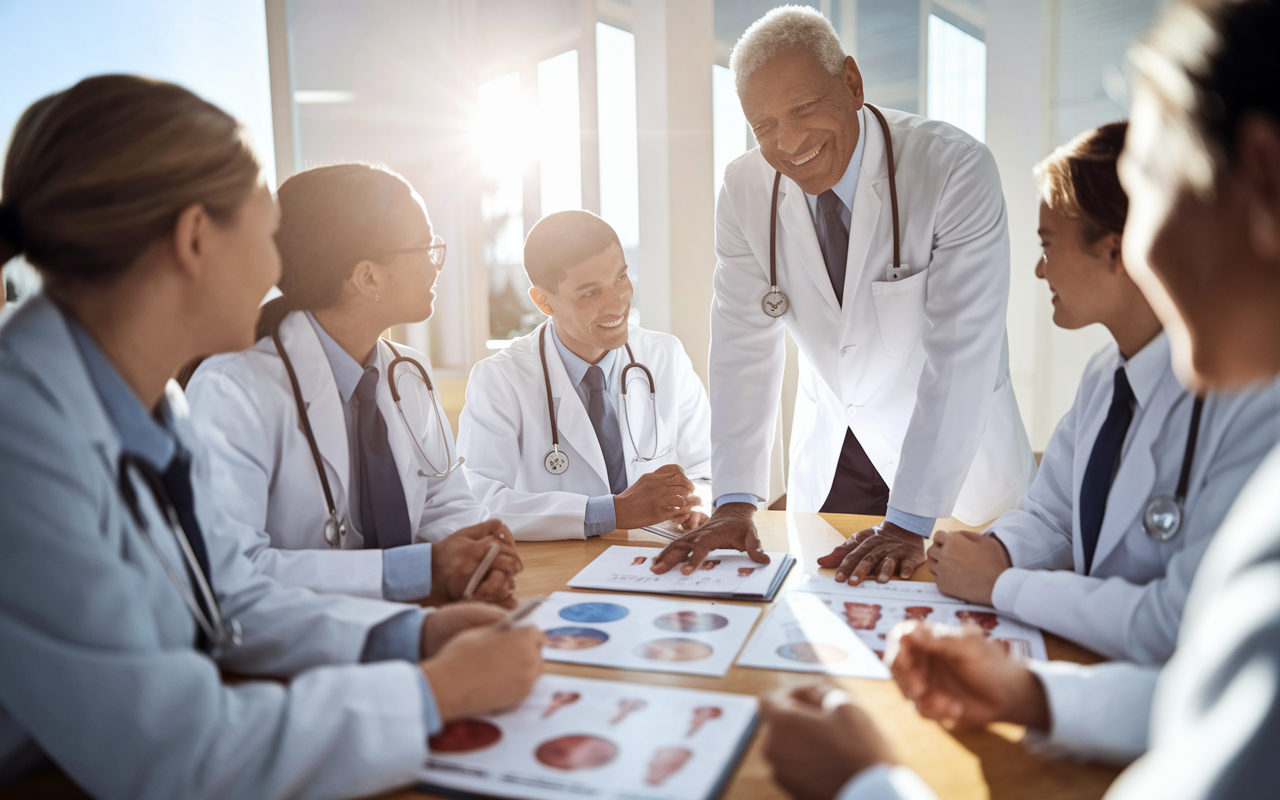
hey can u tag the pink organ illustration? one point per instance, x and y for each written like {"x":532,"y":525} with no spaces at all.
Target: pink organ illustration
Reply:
{"x":701,"y":716}
{"x":666,"y":762}
{"x":559,"y":700}
{"x":627,"y":706}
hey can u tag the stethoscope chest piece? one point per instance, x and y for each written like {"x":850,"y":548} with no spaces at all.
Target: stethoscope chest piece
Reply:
{"x":775,"y":302}
{"x":557,"y":462}
{"x":1162,"y":518}
{"x":335,"y":530}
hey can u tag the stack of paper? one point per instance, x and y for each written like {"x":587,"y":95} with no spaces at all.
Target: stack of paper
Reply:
{"x":602,"y":739}
{"x":725,"y":574}
{"x":837,"y":629}
{"x":648,"y":633}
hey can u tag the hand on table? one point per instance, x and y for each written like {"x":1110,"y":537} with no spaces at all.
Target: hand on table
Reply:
{"x":483,"y":669}
{"x":815,"y":751}
{"x":960,"y":678}
{"x":731,"y":526}
{"x":455,"y":558}
{"x":967,"y":564}
{"x":666,"y":493}
{"x":884,"y":550}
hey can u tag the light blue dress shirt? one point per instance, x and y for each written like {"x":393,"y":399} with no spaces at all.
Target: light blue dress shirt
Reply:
{"x":601,"y":516}
{"x":406,"y":571}
{"x":847,"y":189}
{"x":152,"y":439}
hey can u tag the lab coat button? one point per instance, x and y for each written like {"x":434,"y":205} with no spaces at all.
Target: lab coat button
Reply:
{"x":847,"y":349}
{"x":852,"y":409}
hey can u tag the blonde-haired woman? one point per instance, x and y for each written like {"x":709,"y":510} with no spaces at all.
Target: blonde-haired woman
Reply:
{"x":122,"y":593}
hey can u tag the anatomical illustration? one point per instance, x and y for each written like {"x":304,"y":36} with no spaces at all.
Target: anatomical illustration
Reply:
{"x":745,"y":572}
{"x":627,"y":706}
{"x":576,"y":752}
{"x":559,"y":700}
{"x":862,"y":616}
{"x":638,"y":560}
{"x":986,"y":620}
{"x":690,"y":621}
{"x":574,"y":638}
{"x":918,"y":612}
{"x":666,"y":762}
{"x":812,"y":653}
{"x":673,"y":649}
{"x":701,"y":716}
{"x":465,"y":735}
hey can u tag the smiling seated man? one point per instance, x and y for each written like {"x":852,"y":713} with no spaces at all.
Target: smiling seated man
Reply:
{"x":587,"y":424}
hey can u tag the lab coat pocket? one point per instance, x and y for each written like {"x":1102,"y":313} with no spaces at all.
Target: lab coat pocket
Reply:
{"x":900,"y":311}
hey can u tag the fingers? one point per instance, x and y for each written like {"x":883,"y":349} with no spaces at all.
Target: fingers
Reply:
{"x":886,"y":569}
{"x":700,"y":551}
{"x":908,"y":567}
{"x":506,"y":563}
{"x":812,"y":695}
{"x":837,"y":555}
{"x":671,"y":555}
{"x":496,"y":586}
{"x":754,"y":549}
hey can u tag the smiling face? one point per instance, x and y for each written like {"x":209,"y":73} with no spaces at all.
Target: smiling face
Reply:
{"x":1078,"y":273}
{"x":805,"y":118}
{"x":590,"y":305}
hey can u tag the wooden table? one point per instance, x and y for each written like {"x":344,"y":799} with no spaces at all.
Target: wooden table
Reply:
{"x":972,"y":765}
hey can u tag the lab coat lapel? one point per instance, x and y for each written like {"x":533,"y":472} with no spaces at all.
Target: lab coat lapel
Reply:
{"x":571,"y":416}
{"x":865,"y":215}
{"x":401,"y":432}
{"x":1135,"y":480}
{"x":798,"y":240}
{"x":324,"y":406}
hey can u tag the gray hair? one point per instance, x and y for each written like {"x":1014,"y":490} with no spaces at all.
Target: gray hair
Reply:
{"x":784,"y":28}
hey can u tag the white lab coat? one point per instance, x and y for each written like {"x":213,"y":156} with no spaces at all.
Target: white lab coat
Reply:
{"x":505,"y":431}
{"x":99,"y":673}
{"x":1214,"y":709}
{"x":265,"y":477}
{"x":1130,"y":604}
{"x":917,"y":367}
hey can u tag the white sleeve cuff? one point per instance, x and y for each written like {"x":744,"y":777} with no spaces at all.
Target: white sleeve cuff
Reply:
{"x":1099,"y":713}
{"x":1004,"y":595}
{"x":885,"y":782}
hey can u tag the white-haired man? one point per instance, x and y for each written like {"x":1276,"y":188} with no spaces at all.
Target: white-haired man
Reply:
{"x":892,"y":275}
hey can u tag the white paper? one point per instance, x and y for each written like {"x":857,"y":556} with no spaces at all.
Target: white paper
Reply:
{"x":576,"y":737}
{"x":802,"y":634}
{"x":724,"y":572}
{"x":923,"y":591}
{"x":633,"y":632}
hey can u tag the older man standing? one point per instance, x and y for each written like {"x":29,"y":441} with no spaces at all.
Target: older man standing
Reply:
{"x":879,"y":239}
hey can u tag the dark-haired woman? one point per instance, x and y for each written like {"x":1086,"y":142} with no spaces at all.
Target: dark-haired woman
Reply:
{"x":1110,"y":534}
{"x":123,"y":593}
{"x":328,"y":442}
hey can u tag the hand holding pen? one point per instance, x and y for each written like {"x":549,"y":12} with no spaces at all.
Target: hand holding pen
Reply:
{"x":478,"y":562}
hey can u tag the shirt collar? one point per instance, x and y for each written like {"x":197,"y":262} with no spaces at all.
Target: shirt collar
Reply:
{"x":1148,"y":368}
{"x":346,"y":370}
{"x":576,"y":366}
{"x":140,"y":433}
{"x":846,"y":188}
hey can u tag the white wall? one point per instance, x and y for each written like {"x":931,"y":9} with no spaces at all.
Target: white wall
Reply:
{"x":216,"y":48}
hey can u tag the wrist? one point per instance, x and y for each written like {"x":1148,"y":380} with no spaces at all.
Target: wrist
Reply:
{"x":1027,"y":704}
{"x":442,"y":686}
{"x":740,"y":510}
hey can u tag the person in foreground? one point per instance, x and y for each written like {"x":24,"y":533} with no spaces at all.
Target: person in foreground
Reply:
{"x":359,"y":256}
{"x":1201,"y":166}
{"x":892,"y":251}
{"x":123,"y":595}
{"x":632,"y":423}
{"x":1092,"y":555}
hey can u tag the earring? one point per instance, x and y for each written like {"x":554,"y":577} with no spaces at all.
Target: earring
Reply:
{"x":377,"y":297}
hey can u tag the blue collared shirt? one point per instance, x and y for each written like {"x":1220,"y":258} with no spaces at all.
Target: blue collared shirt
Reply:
{"x":406,"y":571}
{"x":601,"y":517}
{"x":847,"y":190}
{"x":152,"y":438}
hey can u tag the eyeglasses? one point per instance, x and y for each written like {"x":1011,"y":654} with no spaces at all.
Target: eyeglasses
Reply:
{"x":435,"y":251}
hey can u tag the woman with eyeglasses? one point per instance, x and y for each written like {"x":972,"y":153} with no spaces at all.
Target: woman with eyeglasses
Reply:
{"x":124,"y":592}
{"x":329,"y":443}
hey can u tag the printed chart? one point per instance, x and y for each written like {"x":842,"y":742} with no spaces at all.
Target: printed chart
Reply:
{"x":601,"y":739}
{"x":648,"y":633}
{"x":725,"y":574}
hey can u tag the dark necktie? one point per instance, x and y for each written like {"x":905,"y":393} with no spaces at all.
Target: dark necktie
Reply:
{"x":834,"y":239}
{"x":1102,"y":465}
{"x":610,"y":440}
{"x":384,"y":515}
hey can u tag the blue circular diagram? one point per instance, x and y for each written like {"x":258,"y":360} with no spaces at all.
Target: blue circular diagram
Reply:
{"x":594,"y":612}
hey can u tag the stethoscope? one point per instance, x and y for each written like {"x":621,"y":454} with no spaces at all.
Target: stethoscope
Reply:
{"x":557,"y":461}
{"x":1162,"y":518}
{"x":221,"y":634}
{"x":335,"y":528}
{"x":775,"y":302}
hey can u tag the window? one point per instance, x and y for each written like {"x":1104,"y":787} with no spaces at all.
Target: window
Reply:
{"x":731,"y":136}
{"x":619,"y":153}
{"x":957,"y":87}
{"x":559,"y":135}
